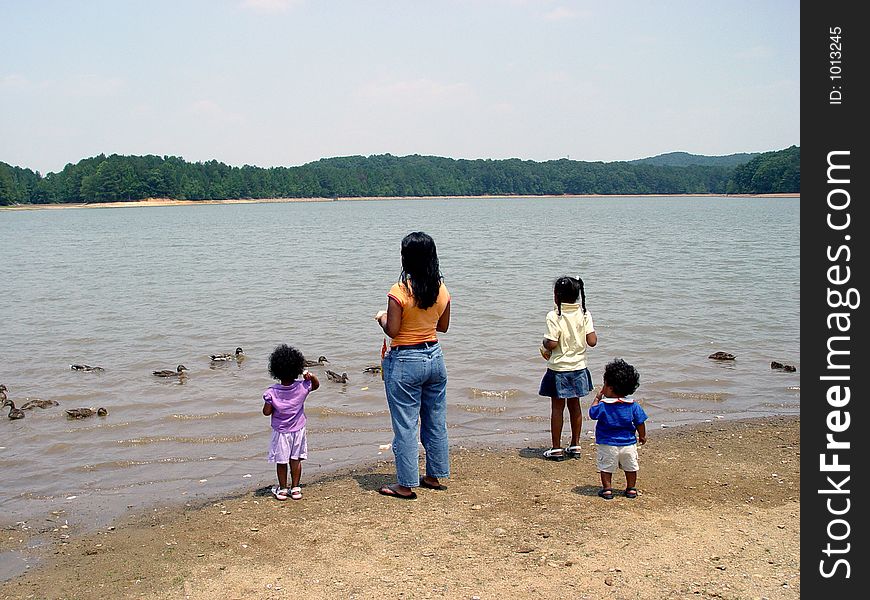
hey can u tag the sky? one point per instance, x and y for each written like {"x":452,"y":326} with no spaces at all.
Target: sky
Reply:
{"x":286,"y":82}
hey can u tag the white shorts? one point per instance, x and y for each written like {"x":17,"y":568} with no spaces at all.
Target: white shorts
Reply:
{"x":611,"y":458}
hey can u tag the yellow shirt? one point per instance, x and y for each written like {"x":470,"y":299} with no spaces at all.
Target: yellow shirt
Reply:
{"x":569,"y":329}
{"x":418,"y":325}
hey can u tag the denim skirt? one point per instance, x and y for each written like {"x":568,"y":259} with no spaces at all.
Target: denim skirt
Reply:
{"x":566,"y":384}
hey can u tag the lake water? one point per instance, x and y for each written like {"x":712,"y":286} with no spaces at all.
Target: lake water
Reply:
{"x":668,"y":281}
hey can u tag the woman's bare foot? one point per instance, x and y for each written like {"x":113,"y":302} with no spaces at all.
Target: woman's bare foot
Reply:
{"x":431,"y":483}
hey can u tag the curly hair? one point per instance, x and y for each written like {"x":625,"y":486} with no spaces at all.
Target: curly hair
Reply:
{"x":622,"y":377}
{"x":420,"y":266}
{"x":285,"y":363}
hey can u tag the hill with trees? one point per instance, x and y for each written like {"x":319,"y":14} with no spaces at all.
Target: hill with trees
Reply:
{"x":124,"y":178}
{"x":684,"y":159}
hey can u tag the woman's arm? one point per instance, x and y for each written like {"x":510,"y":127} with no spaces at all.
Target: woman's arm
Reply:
{"x":391,"y":322}
{"x":444,"y":320}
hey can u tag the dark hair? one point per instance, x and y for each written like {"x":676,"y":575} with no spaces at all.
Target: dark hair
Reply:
{"x":622,"y":377}
{"x":420,"y":266}
{"x":286,"y":363}
{"x":568,"y":289}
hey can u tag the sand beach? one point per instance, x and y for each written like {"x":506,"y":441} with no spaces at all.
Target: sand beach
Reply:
{"x":717,"y":517}
{"x":172,"y":202}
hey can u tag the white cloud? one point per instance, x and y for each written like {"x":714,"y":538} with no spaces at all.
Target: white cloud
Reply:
{"x":92,"y":86}
{"x":80,"y":86}
{"x":269,"y":6}
{"x":754,"y":53}
{"x":562,"y":13}
{"x":15,"y":82}
{"x":416,"y":92}
{"x":212,"y":111}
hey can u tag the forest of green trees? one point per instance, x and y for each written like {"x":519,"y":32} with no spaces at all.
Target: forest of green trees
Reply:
{"x":120,"y":178}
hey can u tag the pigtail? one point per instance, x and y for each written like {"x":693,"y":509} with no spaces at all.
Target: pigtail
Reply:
{"x":582,"y":295}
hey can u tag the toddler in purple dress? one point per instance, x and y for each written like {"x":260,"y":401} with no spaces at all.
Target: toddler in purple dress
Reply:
{"x":285,"y":403}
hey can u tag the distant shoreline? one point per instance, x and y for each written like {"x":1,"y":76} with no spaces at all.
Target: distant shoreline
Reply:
{"x":171,"y":202}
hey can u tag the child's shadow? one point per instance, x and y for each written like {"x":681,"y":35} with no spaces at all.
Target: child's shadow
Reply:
{"x":586,"y":490}
{"x":264,"y":491}
{"x":538,"y":453}
{"x":373,"y":481}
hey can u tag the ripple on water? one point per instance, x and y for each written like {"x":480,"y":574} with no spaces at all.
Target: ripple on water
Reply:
{"x":504,"y":394}
{"x":703,"y":396}
{"x":168,"y":439}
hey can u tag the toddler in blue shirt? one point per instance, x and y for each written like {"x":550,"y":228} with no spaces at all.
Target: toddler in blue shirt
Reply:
{"x":619,"y":428}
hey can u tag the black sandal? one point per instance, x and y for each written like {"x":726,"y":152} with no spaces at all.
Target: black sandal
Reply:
{"x":386,"y":490}
{"x":606,"y":493}
{"x":630,"y":492}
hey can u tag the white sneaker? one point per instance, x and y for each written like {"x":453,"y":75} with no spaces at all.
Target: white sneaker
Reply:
{"x":280,"y":493}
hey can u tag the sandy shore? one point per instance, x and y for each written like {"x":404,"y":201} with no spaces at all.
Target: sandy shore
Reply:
{"x":717,"y":517}
{"x":171,"y":202}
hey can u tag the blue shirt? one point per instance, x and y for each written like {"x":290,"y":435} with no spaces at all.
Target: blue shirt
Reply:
{"x":617,"y":421}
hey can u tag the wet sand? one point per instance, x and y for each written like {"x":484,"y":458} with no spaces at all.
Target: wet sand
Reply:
{"x":170,"y":202}
{"x":717,"y":517}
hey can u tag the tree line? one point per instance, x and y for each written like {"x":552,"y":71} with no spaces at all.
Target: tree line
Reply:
{"x":116,"y":178}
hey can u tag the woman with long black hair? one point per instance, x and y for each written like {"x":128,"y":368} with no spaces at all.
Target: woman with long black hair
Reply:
{"x":415,"y":378}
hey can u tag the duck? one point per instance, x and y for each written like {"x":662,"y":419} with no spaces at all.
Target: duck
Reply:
{"x":722,"y":356}
{"x":14,"y":413}
{"x":782,"y":367}
{"x":83,"y":413}
{"x":37,"y":403}
{"x":86,"y":368}
{"x":179,"y":371}
{"x":3,"y":390}
{"x":333,"y":376}
{"x":373,"y":369}
{"x":238,"y":355}
{"x":315,"y":363}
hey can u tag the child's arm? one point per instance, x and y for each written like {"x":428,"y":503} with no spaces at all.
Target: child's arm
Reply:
{"x":267,"y":408}
{"x":595,"y":408}
{"x":309,"y":376}
{"x":550,"y":344}
{"x":591,"y":337}
{"x":641,"y":434}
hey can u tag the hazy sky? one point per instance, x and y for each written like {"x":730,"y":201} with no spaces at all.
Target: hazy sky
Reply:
{"x":285,"y":82}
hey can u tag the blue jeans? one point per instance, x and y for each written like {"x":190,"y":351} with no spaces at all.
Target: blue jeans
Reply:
{"x":415,"y":381}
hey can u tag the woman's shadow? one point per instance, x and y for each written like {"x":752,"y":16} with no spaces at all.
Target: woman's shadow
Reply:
{"x":373,"y":481}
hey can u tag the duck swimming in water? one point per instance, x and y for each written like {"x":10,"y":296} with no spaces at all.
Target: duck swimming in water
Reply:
{"x":315,"y":363}
{"x":179,"y":371}
{"x":86,"y":368}
{"x":238,"y":355}
{"x":333,"y":376}
{"x":3,"y":390}
{"x":83,"y":413}
{"x":722,"y":356}
{"x":37,"y":403}
{"x":373,"y":369}
{"x":14,"y":413}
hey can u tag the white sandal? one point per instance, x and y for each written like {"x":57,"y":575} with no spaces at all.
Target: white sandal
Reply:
{"x":554,"y":454}
{"x":573,"y":451}
{"x":296,"y":493}
{"x":280,"y":493}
